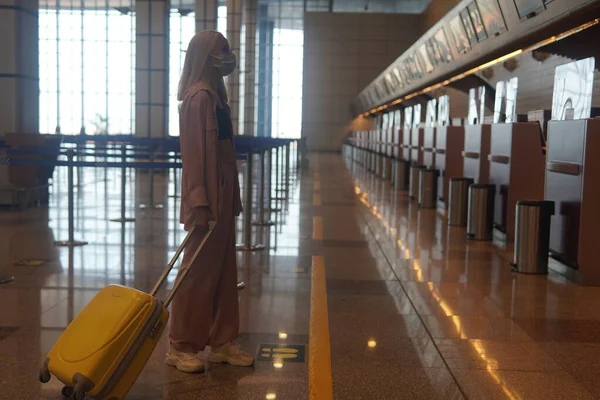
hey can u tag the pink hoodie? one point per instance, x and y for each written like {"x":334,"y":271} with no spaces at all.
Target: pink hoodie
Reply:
{"x":199,"y":151}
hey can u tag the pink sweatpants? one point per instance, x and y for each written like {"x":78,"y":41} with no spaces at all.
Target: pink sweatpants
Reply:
{"x":205,"y":311}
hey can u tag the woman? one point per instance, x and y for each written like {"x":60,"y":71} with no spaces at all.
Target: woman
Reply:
{"x":205,"y":310}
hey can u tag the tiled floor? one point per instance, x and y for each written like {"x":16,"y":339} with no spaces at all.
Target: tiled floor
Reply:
{"x":415,"y":311}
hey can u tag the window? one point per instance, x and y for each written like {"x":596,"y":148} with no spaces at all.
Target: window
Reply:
{"x":87,"y":70}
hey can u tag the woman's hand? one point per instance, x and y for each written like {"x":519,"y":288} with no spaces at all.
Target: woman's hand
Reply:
{"x":201,"y":217}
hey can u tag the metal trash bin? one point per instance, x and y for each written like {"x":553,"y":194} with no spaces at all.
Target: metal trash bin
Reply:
{"x":413,"y":188}
{"x":401,"y":176}
{"x":428,"y":188}
{"x":532,"y":236}
{"x":480,"y":220}
{"x":458,"y":202}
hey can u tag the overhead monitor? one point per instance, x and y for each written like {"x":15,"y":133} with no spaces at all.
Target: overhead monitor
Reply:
{"x":529,"y":8}
{"x":398,"y":76}
{"x":373,"y":96}
{"x":434,"y":53}
{"x":416,"y":116}
{"x":404,"y":72}
{"x":413,"y":67}
{"x":409,"y":69}
{"x":390,"y":83}
{"x":477,"y":21}
{"x":424,"y":57}
{"x":468,"y":24}
{"x":493,"y":20}
{"x":443,"y":110}
{"x":573,"y":85}
{"x":472,"y":113}
{"x":459,"y":35}
{"x":442,"y":44}
{"x":511,"y":100}
{"x":500,"y":103}
{"x":431,"y":113}
{"x":408,"y":112}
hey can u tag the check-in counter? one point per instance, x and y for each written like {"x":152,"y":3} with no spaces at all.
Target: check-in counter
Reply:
{"x":428,"y":147}
{"x":406,"y":145}
{"x":476,"y":152}
{"x":573,"y":183}
{"x":397,"y":144}
{"x":416,"y":144}
{"x":371,"y":152}
{"x":388,"y":152}
{"x":517,"y":164}
{"x":449,"y":145}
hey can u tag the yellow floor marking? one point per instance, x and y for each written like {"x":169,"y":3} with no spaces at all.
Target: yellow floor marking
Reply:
{"x":317,"y":228}
{"x":319,"y":359}
{"x":316,"y":199}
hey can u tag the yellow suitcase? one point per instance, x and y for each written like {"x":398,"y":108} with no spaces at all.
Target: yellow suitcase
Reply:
{"x":104,"y":349}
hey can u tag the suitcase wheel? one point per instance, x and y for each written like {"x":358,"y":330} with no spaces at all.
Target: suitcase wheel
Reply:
{"x":44,"y":376}
{"x":67,"y":392}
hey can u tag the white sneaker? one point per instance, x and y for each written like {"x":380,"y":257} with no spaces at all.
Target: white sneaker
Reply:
{"x":232,"y":354}
{"x":185,"y":362}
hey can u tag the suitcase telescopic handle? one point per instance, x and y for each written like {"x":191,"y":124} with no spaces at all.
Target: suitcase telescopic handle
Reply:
{"x":184,"y":268}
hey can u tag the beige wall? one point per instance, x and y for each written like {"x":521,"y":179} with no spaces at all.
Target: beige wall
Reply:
{"x":435,"y":11}
{"x":343,"y":53}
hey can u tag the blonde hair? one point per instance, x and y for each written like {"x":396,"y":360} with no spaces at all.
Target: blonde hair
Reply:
{"x":198,"y":68}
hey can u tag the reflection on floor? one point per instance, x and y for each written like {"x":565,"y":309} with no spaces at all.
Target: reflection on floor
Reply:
{"x":415,"y":311}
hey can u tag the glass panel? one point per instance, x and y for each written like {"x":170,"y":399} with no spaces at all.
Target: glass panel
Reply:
{"x":86,"y":70}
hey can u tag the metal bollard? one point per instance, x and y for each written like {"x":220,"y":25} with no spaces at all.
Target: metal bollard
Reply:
{"x":175,"y":194}
{"x":413,"y":191}
{"x":261,"y":218}
{"x":247,"y":245}
{"x":427,"y":188}
{"x":480,"y":220}
{"x":270,"y":186}
{"x":458,"y":205}
{"x":123,"y":186}
{"x":288,"y":167}
{"x":532,"y":236}
{"x":71,"y":198}
{"x":279,"y":173}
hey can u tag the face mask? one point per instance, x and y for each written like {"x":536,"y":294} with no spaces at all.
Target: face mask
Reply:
{"x":225,"y":64}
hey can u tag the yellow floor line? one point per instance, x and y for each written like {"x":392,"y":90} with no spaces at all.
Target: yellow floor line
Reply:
{"x":317,"y":228}
{"x":316,"y":199}
{"x":320,"y":385}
